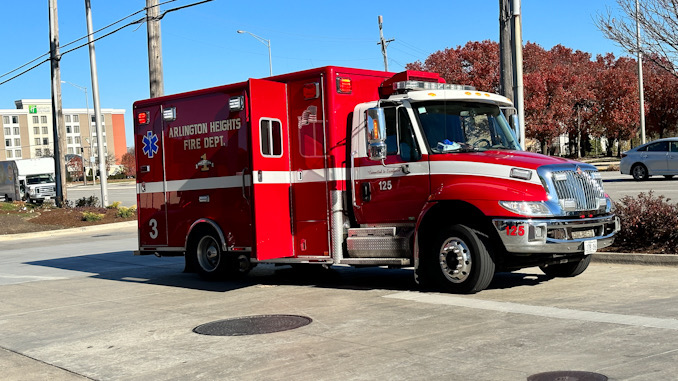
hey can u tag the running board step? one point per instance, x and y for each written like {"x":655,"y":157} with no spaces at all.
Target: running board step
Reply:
{"x":380,"y":242}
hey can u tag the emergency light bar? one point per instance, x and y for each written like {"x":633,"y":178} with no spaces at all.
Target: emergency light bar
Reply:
{"x":423,"y":85}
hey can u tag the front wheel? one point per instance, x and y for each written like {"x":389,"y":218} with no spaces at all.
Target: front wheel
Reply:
{"x":457,"y":261}
{"x":567,"y":270}
{"x":639,"y":172}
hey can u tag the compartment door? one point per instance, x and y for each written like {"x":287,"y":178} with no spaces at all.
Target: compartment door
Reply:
{"x":151,"y":192}
{"x":271,"y":181}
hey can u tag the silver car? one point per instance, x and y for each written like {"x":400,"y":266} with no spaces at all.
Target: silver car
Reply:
{"x":659,"y":157}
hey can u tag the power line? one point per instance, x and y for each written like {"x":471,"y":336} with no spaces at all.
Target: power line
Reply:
{"x":139,"y":21}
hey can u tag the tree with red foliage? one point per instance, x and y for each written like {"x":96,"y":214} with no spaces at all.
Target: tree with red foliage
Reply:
{"x":128,"y":162}
{"x":616,"y":96}
{"x":661,"y":98}
{"x":475,"y":64}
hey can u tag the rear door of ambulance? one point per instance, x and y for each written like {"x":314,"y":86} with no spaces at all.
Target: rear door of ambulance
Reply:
{"x":270,"y":158}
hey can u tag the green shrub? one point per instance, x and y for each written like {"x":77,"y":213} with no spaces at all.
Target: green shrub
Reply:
{"x":92,"y":216}
{"x":87,"y":201}
{"x":124,"y":212}
{"x":648,"y":223}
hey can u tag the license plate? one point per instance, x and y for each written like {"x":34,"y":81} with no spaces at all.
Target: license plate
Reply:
{"x":590,"y":246}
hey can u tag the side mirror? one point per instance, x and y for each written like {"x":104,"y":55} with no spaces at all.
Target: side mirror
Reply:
{"x":376,"y":134}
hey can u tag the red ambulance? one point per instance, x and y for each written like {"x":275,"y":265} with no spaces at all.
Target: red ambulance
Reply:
{"x":341,"y":166}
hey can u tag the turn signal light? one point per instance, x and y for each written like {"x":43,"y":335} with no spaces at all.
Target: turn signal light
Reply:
{"x":343,"y":85}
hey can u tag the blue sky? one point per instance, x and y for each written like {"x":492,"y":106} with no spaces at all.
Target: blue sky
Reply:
{"x":202,"y":49}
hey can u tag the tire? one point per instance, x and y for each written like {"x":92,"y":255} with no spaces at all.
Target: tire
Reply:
{"x":457,"y":261}
{"x":567,"y":270}
{"x":668,"y":177}
{"x":211,"y":262}
{"x":639,"y":172}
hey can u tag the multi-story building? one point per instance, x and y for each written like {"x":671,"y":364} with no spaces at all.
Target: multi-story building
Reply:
{"x":27,"y":131}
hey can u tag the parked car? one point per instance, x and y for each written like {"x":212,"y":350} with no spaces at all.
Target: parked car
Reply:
{"x":659,"y":157}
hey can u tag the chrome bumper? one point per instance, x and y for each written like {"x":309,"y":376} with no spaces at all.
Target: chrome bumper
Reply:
{"x":557,"y":236}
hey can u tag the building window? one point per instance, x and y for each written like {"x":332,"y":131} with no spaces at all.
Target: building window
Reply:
{"x":37,"y":141}
{"x":45,"y":141}
{"x":9,"y":154}
{"x":76,"y":118}
{"x":17,"y":153}
{"x":44,"y":129}
{"x":8,"y":131}
{"x":17,"y":142}
{"x":16,"y":131}
{"x":76,"y":129}
{"x":43,"y":119}
{"x":70,"y":150}
{"x":15,"y":120}
{"x":35,"y":119}
{"x":76,"y":140}
{"x":68,"y":118}
{"x":36,"y":130}
{"x":8,"y":142}
{"x":68,"y":129}
{"x":5,"y":119}
{"x":38,"y":152}
{"x":69,"y":140}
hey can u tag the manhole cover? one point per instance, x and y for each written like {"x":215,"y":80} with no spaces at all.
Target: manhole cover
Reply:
{"x":252,"y":325}
{"x":567,"y":375}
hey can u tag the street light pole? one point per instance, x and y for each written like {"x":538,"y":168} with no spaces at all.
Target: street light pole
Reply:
{"x":265,"y":42}
{"x":89,"y":128}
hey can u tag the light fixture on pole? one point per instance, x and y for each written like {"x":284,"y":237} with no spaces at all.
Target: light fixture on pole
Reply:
{"x":89,"y":128}
{"x":265,"y":42}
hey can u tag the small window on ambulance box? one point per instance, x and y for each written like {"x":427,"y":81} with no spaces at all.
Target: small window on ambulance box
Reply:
{"x":270,"y":135}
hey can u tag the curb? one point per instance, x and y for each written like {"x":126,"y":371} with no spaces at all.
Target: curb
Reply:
{"x":637,"y":259}
{"x":60,"y":232}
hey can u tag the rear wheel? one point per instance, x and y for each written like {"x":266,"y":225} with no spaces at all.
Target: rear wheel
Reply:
{"x":457,"y":261}
{"x":211,"y":262}
{"x":567,"y":270}
{"x":639,"y":172}
{"x":668,"y":176}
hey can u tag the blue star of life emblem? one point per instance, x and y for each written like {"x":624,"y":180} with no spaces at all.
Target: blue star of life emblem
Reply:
{"x":150,"y":141}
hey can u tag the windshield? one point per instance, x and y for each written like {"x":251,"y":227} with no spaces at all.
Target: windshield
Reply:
{"x":40,"y":179}
{"x":454,"y":126}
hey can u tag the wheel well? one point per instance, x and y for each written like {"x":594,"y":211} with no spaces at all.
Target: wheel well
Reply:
{"x":202,"y":227}
{"x":447,"y":213}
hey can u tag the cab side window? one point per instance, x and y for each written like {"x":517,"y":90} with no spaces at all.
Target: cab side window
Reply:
{"x":409,"y":151}
{"x":391,"y":131}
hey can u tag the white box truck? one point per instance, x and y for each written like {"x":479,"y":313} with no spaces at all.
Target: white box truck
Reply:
{"x":33,"y":177}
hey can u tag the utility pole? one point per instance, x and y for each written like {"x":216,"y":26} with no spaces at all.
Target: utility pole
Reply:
{"x":640,"y":77}
{"x":518,"y":68}
{"x":505,"y":44}
{"x":103,"y":174}
{"x":154,"y":49}
{"x":58,"y":127}
{"x":383,"y":43}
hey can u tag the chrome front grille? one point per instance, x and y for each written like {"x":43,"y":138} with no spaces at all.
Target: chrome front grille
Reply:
{"x":578,"y":190}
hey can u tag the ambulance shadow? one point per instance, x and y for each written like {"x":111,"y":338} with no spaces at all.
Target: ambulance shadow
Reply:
{"x":124,"y":266}
{"x":372,"y":278}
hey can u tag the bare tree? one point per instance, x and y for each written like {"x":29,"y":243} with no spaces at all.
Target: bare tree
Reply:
{"x":658,"y":21}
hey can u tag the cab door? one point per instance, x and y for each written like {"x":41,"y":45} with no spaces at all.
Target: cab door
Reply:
{"x":397,"y":190}
{"x":271,"y":180}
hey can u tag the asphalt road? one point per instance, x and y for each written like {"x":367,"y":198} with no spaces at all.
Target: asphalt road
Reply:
{"x":75,"y":307}
{"x":618,"y":186}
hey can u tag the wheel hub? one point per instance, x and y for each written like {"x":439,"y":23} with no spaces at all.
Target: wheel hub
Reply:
{"x":455,"y":260}
{"x":208,"y":254}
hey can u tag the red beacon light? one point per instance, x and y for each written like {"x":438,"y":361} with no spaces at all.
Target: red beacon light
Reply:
{"x":143,"y":117}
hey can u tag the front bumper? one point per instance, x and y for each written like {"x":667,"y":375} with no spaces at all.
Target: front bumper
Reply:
{"x":557,"y":235}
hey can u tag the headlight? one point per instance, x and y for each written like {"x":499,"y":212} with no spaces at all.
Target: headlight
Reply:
{"x":527,"y":208}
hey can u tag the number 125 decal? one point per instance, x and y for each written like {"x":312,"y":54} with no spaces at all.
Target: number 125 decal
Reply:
{"x":515,"y":230}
